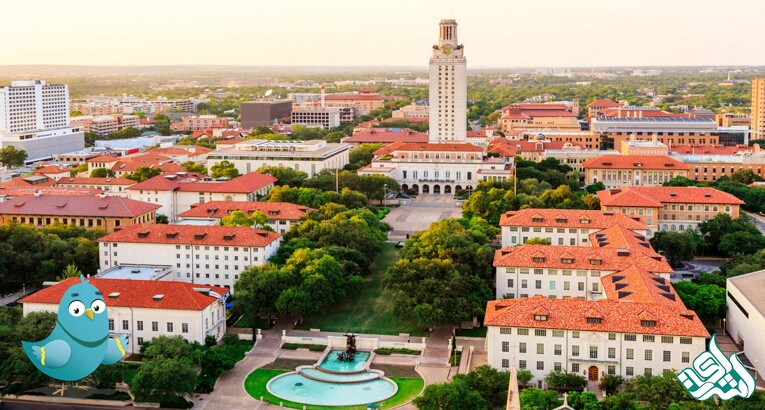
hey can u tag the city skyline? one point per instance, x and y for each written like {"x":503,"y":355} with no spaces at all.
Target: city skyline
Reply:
{"x":302,"y":33}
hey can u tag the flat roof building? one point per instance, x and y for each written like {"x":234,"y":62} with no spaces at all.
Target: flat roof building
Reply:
{"x":264,"y":112}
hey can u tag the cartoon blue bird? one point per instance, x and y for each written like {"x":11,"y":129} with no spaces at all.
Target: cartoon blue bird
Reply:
{"x":80,"y":341}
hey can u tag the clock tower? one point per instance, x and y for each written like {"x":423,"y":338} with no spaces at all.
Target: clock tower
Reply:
{"x":448,"y":87}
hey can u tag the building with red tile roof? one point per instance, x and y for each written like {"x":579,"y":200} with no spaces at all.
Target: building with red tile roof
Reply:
{"x":110,"y":186}
{"x":128,"y":164}
{"x":614,"y":126}
{"x":54,"y":172}
{"x":177,"y":193}
{"x":633,"y":170}
{"x":107,"y":213}
{"x":213,"y":255}
{"x":561,"y":226}
{"x":145,"y":309}
{"x":670,"y":208}
{"x":594,"y":108}
{"x":385,"y":136}
{"x":714,"y":149}
{"x":281,"y":215}
{"x":538,"y":117}
{"x":591,"y":337}
{"x":529,"y":150}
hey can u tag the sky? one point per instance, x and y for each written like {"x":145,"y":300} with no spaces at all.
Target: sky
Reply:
{"x":495,"y":33}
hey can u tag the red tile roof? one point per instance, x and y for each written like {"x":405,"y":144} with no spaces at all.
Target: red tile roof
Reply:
{"x":582,"y":257}
{"x":659,"y":162}
{"x":191,"y":151}
{"x":58,"y":205}
{"x":417,"y":120}
{"x":104,"y":158}
{"x":220,"y":209}
{"x":246,"y":184}
{"x":136,"y":293}
{"x":389,"y":148}
{"x":386,"y":136}
{"x":616,"y":316}
{"x":636,"y":285}
{"x":46,"y":190}
{"x":713,"y":150}
{"x":511,"y":148}
{"x":603,"y":103}
{"x":94,"y":181}
{"x":440,"y":147}
{"x":636,"y":112}
{"x":52,"y":169}
{"x":569,"y":218}
{"x":193,"y":235}
{"x":656,"y":196}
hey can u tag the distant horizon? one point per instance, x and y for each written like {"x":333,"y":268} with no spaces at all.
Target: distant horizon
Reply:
{"x":347,"y":33}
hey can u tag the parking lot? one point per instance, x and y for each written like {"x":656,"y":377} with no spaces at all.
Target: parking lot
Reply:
{"x":420,"y":213}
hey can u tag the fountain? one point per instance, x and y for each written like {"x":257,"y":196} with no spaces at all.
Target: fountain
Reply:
{"x":350,"y":349}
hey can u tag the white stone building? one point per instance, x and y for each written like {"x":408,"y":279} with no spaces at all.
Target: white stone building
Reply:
{"x":177,"y":194}
{"x":745,"y":319}
{"x":145,"y":309}
{"x":281,"y":215}
{"x":571,"y":227}
{"x":591,"y":338}
{"x":209,"y":255}
{"x":34,"y":117}
{"x":448,"y":87}
{"x":310,"y":157}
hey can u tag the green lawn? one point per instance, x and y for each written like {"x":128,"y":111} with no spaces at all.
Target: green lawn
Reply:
{"x":370,"y":310}
{"x":255,"y":384}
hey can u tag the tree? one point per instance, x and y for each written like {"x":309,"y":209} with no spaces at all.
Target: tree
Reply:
{"x":257,"y":220}
{"x":610,"y":383}
{"x":524,"y":377}
{"x":746,"y":243}
{"x":192,"y":166}
{"x":285,"y":175}
{"x":102,"y":173}
{"x":164,"y":377}
{"x":744,"y":176}
{"x":594,"y":188}
{"x":224,"y":169}
{"x":71,"y":271}
{"x":78,"y":169}
{"x":450,"y":396}
{"x":715,"y":230}
{"x":216,"y":361}
{"x":586,"y":400}
{"x":257,"y":291}
{"x":537,"y":241}
{"x":11,"y":157}
{"x":174,"y":347}
{"x":162,"y":219}
{"x":708,"y":301}
{"x":676,"y":246}
{"x":564,"y":380}
{"x":535,"y":399}
{"x":143,"y":173}
{"x":106,"y":377}
{"x":15,"y":366}
{"x":490,"y":383}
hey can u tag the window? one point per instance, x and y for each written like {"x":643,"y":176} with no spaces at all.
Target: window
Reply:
{"x":140,"y":341}
{"x":505,"y":330}
{"x":510,"y":283}
{"x":667,"y":339}
{"x":155,"y":326}
{"x":630,"y":354}
{"x":170,"y":327}
{"x":593,"y":352}
{"x":124,"y":325}
{"x":612,"y":353}
{"x":538,"y":284}
{"x":522,"y":364}
{"x":523,"y":332}
{"x":594,"y":320}
{"x":629,"y":371}
{"x":648,"y":339}
{"x":649,"y":355}
{"x":575,"y":334}
{"x":667,"y":356}
{"x":505,"y":363}
{"x":522,"y":347}
{"x":686,"y":340}
{"x":540,"y":318}
{"x":552,"y":285}
{"x":540,"y":332}
{"x":540,"y":365}
{"x":111,"y":324}
{"x":575,"y":368}
{"x":540,"y":348}
{"x":574,"y":350}
{"x":558,"y":350}
{"x":505,"y":347}
{"x":557,"y":333}
{"x":630,"y":338}
{"x":612,"y":336}
{"x":647,"y":371}
{"x":184,"y":328}
{"x":139,"y":325}
{"x":557,"y":366}
{"x":686,"y":357}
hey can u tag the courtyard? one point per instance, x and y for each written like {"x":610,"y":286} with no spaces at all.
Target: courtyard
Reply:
{"x":419,"y":213}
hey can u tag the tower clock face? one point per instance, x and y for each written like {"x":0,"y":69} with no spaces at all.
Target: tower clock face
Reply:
{"x":447,"y":50}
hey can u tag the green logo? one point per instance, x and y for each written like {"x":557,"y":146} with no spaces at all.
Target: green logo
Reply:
{"x":713,"y":374}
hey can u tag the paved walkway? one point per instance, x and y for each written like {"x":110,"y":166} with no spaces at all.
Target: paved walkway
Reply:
{"x":419,"y":214}
{"x":15,"y":296}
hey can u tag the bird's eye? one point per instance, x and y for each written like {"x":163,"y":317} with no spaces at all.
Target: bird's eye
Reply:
{"x":98,"y":306}
{"x":76,"y":308}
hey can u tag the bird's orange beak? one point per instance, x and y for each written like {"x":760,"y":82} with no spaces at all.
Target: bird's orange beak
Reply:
{"x":89,"y":313}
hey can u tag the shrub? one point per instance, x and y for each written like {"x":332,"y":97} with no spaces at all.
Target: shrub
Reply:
{"x":392,"y":350}
{"x":311,"y":347}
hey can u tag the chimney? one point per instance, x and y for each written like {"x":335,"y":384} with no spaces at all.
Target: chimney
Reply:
{"x":632,"y":138}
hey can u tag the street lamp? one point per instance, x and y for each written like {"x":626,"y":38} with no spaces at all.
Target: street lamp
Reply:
{"x":385,"y":197}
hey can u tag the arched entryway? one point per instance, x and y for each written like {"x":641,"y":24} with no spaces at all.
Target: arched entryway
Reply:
{"x":416,"y":188}
{"x":469,"y":188}
{"x":448,"y":189}
{"x":592,"y":373}
{"x":425,"y":189}
{"x":436,"y":189}
{"x":404,"y":187}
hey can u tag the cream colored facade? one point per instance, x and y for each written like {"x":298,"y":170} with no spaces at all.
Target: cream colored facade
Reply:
{"x":448,"y":87}
{"x":310,"y":157}
{"x":412,"y":111}
{"x":542,"y":124}
{"x":758,"y":108}
{"x":588,"y":353}
{"x":143,"y":324}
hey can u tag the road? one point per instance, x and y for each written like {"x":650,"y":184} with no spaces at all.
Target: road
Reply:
{"x":14,"y":296}
{"x":758,"y":221}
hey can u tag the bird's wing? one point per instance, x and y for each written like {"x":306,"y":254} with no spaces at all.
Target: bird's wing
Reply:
{"x":115,"y":350}
{"x":53,"y":354}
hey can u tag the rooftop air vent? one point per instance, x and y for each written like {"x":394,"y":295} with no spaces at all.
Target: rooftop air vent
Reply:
{"x":114,"y":295}
{"x":158,"y":297}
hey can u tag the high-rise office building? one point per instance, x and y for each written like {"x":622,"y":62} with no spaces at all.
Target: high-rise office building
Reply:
{"x":758,"y":108}
{"x":448,"y":87}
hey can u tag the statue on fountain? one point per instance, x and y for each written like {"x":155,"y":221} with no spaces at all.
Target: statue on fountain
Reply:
{"x":350,"y":349}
